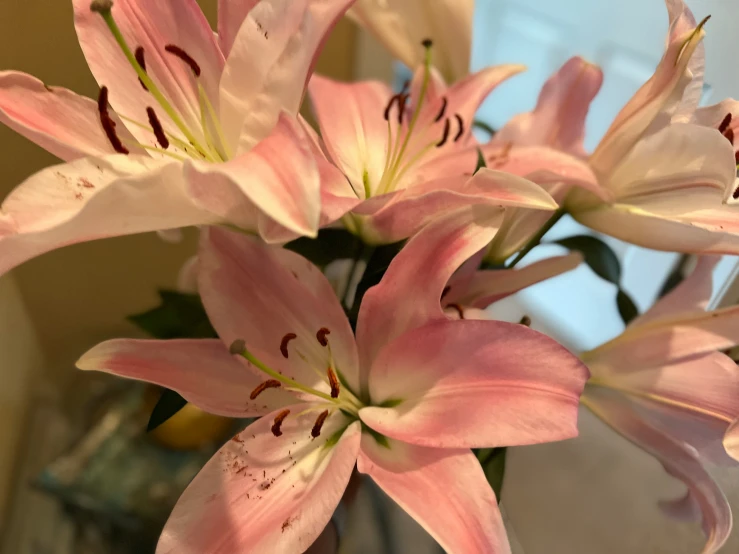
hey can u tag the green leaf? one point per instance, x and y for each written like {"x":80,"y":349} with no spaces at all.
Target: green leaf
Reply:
{"x":626,"y":307}
{"x":493,"y":461}
{"x":484,"y":127}
{"x":330,"y":245}
{"x":179,"y":316}
{"x":168,"y":405}
{"x":377,"y":265}
{"x":480,"y":160}
{"x":598,"y":255}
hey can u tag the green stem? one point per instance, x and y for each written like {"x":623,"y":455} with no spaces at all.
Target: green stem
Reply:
{"x":536,"y":239}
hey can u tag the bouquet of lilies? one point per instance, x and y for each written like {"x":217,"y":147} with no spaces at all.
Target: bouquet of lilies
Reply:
{"x":346,"y":267}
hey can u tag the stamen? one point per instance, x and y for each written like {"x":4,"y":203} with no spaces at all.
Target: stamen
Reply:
{"x":736,"y":157}
{"x":445,"y":136}
{"x":334,"y":382}
{"x":729,"y":134}
{"x":725,"y":123}
{"x":525,"y":321}
{"x":445,"y":292}
{"x":442,"y":112}
{"x":735,"y":196}
{"x":141,"y":59}
{"x":321,"y":336}
{"x":283,"y":345}
{"x":316,"y":431}
{"x":427,"y":43}
{"x":460,"y":123}
{"x":390,"y":104}
{"x":237,"y":347}
{"x":269,"y":384}
{"x":156,"y":126}
{"x":458,"y":308}
{"x":101,"y":6}
{"x":185,"y":57}
{"x":279,"y":418}
{"x":108,"y":123}
{"x":402,"y":102}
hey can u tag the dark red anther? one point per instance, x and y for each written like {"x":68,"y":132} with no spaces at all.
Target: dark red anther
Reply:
{"x":270,"y":384}
{"x":283,"y":345}
{"x":736,"y":157}
{"x":445,"y":136}
{"x":735,"y":196}
{"x":460,"y":124}
{"x":402,"y":102}
{"x":445,"y":292}
{"x":156,"y":126}
{"x":427,"y":43}
{"x":316,"y":431}
{"x":185,"y":57}
{"x":108,"y":124}
{"x":321,"y":336}
{"x":141,"y":60}
{"x":525,"y":321}
{"x":279,"y":418}
{"x":729,"y":134}
{"x":725,"y":123}
{"x":333,"y":381}
{"x":442,"y":111}
{"x":458,"y":308}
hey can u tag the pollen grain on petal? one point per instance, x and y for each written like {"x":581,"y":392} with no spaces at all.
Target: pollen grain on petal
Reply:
{"x":185,"y":57}
{"x":321,"y":336}
{"x":283,"y":345}
{"x":279,"y":418}
{"x":320,"y":420}
{"x":269,"y":384}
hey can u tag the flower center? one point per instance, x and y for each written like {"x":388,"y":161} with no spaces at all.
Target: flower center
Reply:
{"x":205,"y":142}
{"x":414,"y":133}
{"x":339,"y":398}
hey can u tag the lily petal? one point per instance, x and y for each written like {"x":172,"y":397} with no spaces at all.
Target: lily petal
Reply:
{"x":558,"y":120}
{"x":152,"y":26}
{"x":401,"y":25}
{"x":262,"y":493}
{"x":202,"y":371}
{"x":289,"y":193}
{"x":662,"y":91}
{"x":260,"y":294}
{"x":57,"y":119}
{"x":712,"y":231}
{"x":669,"y":339}
{"x":464,"y":384}
{"x":682,"y":21}
{"x":486,"y":287}
{"x":444,"y":490}
{"x":415,"y":207}
{"x":691,"y":295}
{"x":678,"y":459}
{"x":416,"y":279}
{"x":93,"y":198}
{"x":649,"y":178}
{"x":231,"y":15}
{"x":288,"y":34}
{"x":353,"y":128}
{"x":731,"y":440}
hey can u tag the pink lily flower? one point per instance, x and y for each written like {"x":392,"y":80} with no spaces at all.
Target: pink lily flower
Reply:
{"x":669,"y":179}
{"x":405,"y":400}
{"x":664,"y":385}
{"x":406,"y":166}
{"x":189,"y":129}
{"x":401,"y":25}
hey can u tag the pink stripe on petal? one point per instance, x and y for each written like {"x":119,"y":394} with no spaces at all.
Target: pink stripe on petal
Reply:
{"x":262,"y":493}
{"x":444,"y":490}
{"x":202,"y":371}
{"x":457,"y":384}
